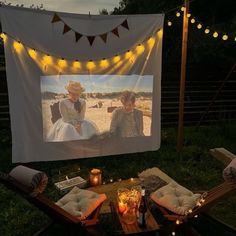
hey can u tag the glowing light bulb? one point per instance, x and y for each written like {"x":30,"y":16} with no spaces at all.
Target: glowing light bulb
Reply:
{"x":76,"y":64}
{"x":160,"y":33}
{"x":207,"y":31}
{"x":90,"y":65}
{"x":151,"y":42}
{"x":177,"y":14}
{"x":177,"y":222}
{"x":3,"y":36}
{"x":18,"y":46}
{"x":215,"y":35}
{"x":32,"y":53}
{"x":128,"y":54}
{"x":182,"y":8}
{"x":235,"y":39}
{"x":173,"y":233}
{"x":132,"y":179}
{"x":104,"y":63}
{"x":196,"y":216}
{"x":190,"y":211}
{"x":169,"y":23}
{"x":192,"y":20}
{"x":62,"y":63}
{"x":188,"y":15}
{"x":199,"y":26}
{"x":47,"y":59}
{"x":225,"y":37}
{"x":140,"y":49}
{"x":116,"y":59}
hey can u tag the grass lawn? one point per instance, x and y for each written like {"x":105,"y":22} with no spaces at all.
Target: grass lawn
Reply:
{"x":194,"y":168}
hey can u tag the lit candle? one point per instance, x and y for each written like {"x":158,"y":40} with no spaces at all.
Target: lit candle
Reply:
{"x":95,"y":177}
{"x":122,"y":207}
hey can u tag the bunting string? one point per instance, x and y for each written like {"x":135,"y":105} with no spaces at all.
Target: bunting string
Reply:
{"x":66,"y":28}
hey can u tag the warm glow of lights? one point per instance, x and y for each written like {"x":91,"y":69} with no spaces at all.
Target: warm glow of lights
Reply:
{"x":169,"y":23}
{"x":225,"y":37}
{"x":32,"y":53}
{"x":196,"y":216}
{"x":104,"y":63}
{"x":160,"y":33}
{"x":173,"y":233}
{"x":199,"y":26}
{"x":177,"y":222}
{"x":207,"y":31}
{"x":76,"y":65}
{"x":182,"y":8}
{"x":132,"y":179}
{"x":140,"y":49}
{"x":190,"y":211}
{"x":151,"y":42}
{"x":18,"y":46}
{"x":193,"y":21}
{"x":116,"y":59}
{"x":177,"y":14}
{"x":47,"y":59}
{"x":128,"y":54}
{"x":62,"y":63}
{"x":3,"y":36}
{"x":91,"y":65}
{"x":188,"y":15}
{"x":215,"y":35}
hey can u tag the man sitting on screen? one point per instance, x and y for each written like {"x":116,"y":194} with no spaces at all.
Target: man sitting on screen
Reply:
{"x":72,"y":125}
{"x":126,"y":120}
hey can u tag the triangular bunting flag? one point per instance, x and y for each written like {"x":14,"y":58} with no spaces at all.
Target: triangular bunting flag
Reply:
{"x":66,"y":28}
{"x":77,"y":36}
{"x":55,"y":18}
{"x":115,"y":32}
{"x":104,"y":37}
{"x":91,"y":39}
{"x":125,"y":24}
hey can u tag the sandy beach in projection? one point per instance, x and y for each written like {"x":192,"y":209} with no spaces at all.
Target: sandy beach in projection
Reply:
{"x":100,"y":116}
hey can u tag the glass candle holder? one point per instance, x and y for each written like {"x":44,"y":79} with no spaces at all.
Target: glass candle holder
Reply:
{"x":95,"y":177}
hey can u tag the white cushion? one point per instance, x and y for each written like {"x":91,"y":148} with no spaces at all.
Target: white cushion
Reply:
{"x":80,"y":202}
{"x":175,"y":198}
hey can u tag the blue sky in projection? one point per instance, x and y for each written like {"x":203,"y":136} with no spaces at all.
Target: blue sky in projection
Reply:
{"x":99,"y":83}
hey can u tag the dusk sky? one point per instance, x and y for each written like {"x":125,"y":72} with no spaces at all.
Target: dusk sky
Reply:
{"x":73,"y":6}
{"x":99,"y":83}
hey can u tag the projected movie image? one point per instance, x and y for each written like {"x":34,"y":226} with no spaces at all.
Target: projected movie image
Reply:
{"x":80,"y":107}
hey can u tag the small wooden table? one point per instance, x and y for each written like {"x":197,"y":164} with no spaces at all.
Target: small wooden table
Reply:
{"x":152,"y":225}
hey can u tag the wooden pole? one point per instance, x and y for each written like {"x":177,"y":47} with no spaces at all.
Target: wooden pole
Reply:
{"x":180,"y":138}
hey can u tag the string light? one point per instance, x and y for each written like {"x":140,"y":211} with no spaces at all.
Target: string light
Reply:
{"x":62,"y":63}
{"x":116,"y":59}
{"x":76,"y":64}
{"x":91,"y":65}
{"x":192,"y":20}
{"x":173,"y":233}
{"x":215,"y":34}
{"x":104,"y":63}
{"x":18,"y":46}
{"x":188,"y":15}
{"x":3,"y":36}
{"x":169,"y":23}
{"x":182,"y":8}
{"x":225,"y":37}
{"x":177,"y":222}
{"x":199,"y":26}
{"x":207,"y":31}
{"x":140,"y":49}
{"x":47,"y":59}
{"x":177,"y":14}
{"x":128,"y":54}
{"x":32,"y":53}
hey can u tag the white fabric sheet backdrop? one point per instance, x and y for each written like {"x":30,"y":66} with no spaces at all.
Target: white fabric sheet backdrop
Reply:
{"x":36,"y":79}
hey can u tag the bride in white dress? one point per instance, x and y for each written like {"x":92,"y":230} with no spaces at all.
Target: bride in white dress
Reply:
{"x":72,"y":125}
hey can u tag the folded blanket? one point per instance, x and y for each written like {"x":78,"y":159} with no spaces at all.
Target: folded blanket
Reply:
{"x":34,"y":180}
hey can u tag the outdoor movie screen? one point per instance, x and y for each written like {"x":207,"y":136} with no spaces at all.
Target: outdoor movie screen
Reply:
{"x":80,"y":107}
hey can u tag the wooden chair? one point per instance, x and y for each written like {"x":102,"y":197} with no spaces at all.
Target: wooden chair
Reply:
{"x":56,"y":213}
{"x":207,"y":200}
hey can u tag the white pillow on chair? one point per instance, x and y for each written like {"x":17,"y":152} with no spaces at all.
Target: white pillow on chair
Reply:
{"x":175,"y":198}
